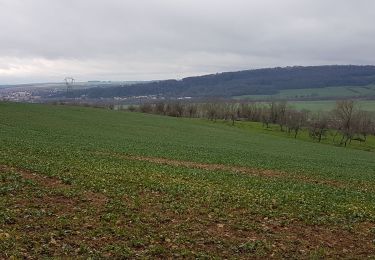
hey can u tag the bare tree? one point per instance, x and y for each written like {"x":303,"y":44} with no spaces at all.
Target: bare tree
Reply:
{"x":160,"y":108}
{"x":295,"y":120}
{"x":230,"y":112}
{"x":318,"y":126}
{"x":266,"y":117}
{"x":250,"y":111}
{"x":362,"y":124}
{"x":343,"y":115}
{"x":273,"y":112}
{"x":146,"y":108}
{"x":281,"y":110}
{"x":175,"y":109}
{"x":191,"y":110}
{"x":245,"y":111}
{"x":212,"y":111}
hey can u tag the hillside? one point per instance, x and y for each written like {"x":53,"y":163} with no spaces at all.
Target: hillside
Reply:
{"x":98,"y":183}
{"x":250,"y":82}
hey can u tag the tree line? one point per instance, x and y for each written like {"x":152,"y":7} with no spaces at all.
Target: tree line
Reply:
{"x":345,"y":123}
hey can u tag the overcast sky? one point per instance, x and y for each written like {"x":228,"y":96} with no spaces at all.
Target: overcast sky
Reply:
{"x":47,"y":40}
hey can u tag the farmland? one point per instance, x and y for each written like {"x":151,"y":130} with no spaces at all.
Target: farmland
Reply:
{"x":97,"y":183}
{"x":317,"y":93}
{"x":335,"y":92}
{"x":322,"y":99}
{"x":328,"y":105}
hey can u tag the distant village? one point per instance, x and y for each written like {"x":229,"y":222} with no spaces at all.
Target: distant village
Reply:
{"x":32,"y":94}
{"x":18,"y":96}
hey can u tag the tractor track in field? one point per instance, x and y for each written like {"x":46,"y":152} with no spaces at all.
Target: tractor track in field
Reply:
{"x":267,"y":173}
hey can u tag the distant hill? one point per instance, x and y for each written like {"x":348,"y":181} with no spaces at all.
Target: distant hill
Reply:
{"x":267,"y":81}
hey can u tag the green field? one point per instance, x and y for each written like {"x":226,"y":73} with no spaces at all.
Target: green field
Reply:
{"x":318,"y":93}
{"x":84,"y":182}
{"x":328,"y":105}
{"x":332,"y":93}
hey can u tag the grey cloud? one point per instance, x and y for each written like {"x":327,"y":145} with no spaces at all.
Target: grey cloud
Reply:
{"x":152,"y":39}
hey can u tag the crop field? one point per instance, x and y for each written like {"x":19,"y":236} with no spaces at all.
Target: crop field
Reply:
{"x":328,"y":105}
{"x":345,"y":91}
{"x":85,"y":182}
{"x":317,"y":93}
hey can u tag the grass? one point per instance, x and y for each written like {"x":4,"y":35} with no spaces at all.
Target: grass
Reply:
{"x":329,"y":105}
{"x":88,"y":182}
{"x":317,"y":93}
{"x":345,"y":91}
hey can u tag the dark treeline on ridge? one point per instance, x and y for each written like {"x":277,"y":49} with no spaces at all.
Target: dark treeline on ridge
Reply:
{"x":347,"y":120}
{"x":249,"y":82}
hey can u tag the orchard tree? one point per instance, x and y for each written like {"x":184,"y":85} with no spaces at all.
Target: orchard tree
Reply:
{"x":319,"y":126}
{"x":344,"y":120}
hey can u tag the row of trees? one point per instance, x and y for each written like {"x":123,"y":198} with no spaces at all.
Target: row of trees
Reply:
{"x":347,"y":122}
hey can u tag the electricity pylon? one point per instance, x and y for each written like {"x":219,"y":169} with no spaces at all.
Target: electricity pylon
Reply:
{"x":69,"y":85}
